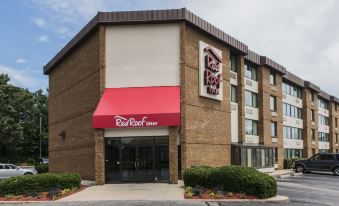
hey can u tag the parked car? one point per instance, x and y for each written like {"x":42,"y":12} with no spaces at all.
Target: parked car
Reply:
{"x":326,"y":162}
{"x":43,"y":160}
{"x":9,"y":170}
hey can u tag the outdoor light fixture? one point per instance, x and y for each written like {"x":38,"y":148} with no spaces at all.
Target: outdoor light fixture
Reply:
{"x":62,"y":135}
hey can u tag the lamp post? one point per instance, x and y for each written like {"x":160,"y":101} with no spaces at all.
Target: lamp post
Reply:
{"x":40,"y":134}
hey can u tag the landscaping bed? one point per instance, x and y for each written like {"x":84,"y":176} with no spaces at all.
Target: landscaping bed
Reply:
{"x":228,"y":182}
{"x":203,"y":193}
{"x":42,"y":187}
{"x":52,"y":195}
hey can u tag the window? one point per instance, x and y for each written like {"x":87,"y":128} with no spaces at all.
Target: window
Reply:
{"x":273,"y":103}
{"x":336,"y":138}
{"x":233,"y":62}
{"x":251,"y":127}
{"x":273,"y":129}
{"x":323,"y":137}
{"x":313,"y":151}
{"x":272,"y":78}
{"x":291,"y":90}
{"x":312,"y":96}
{"x":321,"y":151}
{"x":250,"y":71}
{"x":313,"y":134}
{"x":336,"y":107}
{"x":292,"y":133}
{"x":322,"y":103}
{"x":322,"y":119}
{"x":336,"y":122}
{"x":326,"y":157}
{"x":291,"y":111}
{"x":251,"y":99}
{"x":293,"y":153}
{"x":312,"y":115}
{"x":233,"y":93}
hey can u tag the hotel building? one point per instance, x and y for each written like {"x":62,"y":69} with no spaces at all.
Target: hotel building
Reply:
{"x":139,"y":96}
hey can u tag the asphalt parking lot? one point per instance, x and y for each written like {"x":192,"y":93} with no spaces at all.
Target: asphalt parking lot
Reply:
{"x":312,"y":189}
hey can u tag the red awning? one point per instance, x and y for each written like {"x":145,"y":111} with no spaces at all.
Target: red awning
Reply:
{"x":138,"y":107}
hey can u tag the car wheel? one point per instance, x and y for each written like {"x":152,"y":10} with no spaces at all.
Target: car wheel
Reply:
{"x":336,"y":171}
{"x":299,"y":168}
{"x":28,"y":173}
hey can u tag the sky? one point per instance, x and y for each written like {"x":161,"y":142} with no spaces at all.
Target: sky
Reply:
{"x":301,"y":35}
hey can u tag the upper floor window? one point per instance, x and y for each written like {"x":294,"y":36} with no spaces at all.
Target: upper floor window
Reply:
{"x":273,"y":80}
{"x":292,"y":133}
{"x":336,"y":107}
{"x":251,"y":99}
{"x":323,"y":137}
{"x":233,"y":93}
{"x":291,"y":90}
{"x":233,"y":62}
{"x":291,"y":111}
{"x":312,"y":96}
{"x":312,"y":115}
{"x":273,"y":129}
{"x":273,"y":103}
{"x":251,"y":127}
{"x":336,"y":122}
{"x":322,"y":103}
{"x":250,"y":71}
{"x":322,"y":119}
{"x":313,"y":134}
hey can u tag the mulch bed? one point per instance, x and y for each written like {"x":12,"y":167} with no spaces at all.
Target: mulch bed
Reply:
{"x":208,"y":194}
{"x":43,"y":196}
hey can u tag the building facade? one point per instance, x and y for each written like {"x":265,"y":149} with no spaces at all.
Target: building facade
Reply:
{"x":141,"y":96}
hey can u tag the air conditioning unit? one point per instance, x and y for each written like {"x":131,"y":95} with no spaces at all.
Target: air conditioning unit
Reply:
{"x":249,"y":82}
{"x":249,"y":111}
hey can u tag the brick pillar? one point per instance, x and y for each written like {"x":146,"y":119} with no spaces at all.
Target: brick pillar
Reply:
{"x":333,"y":127}
{"x":241,"y":98}
{"x":99,"y":157}
{"x":308,"y":105}
{"x":173,"y":155}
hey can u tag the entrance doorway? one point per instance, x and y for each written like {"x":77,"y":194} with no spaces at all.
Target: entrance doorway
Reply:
{"x":137,"y":159}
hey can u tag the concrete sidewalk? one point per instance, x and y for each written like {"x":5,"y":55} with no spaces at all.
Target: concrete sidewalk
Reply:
{"x":148,"y":191}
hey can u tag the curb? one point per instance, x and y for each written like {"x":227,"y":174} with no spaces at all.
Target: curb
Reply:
{"x":287,"y":175}
{"x":211,"y":202}
{"x":276,"y":199}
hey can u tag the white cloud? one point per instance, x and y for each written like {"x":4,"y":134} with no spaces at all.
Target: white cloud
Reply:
{"x":18,"y":77}
{"x":302,"y":35}
{"x":21,"y":61}
{"x":43,"y":38}
{"x":40,"y":22}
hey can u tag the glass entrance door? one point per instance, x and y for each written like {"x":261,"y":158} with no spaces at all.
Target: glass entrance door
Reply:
{"x":137,"y":159}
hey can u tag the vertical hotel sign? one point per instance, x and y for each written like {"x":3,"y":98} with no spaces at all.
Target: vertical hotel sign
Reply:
{"x":210,"y":72}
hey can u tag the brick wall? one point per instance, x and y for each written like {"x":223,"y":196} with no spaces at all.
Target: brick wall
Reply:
{"x":205,"y":123}
{"x":74,"y":92}
{"x":265,"y":116}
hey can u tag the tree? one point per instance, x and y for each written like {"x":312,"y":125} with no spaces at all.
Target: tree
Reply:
{"x":20,"y":112}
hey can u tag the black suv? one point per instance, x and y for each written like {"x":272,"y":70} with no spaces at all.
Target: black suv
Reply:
{"x":327,"y":162}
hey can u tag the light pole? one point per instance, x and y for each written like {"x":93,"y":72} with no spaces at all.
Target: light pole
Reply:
{"x":40,"y":135}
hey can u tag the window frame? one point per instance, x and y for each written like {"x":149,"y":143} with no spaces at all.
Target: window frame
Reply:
{"x":274,"y":98}
{"x":253,"y":97}
{"x":252,"y":123}
{"x":234,"y":92}
{"x":273,"y":78}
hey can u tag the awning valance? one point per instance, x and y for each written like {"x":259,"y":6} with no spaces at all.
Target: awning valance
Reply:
{"x":138,"y":107}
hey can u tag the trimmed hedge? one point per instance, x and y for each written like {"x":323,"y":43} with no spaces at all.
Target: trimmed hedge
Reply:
{"x":41,"y":168}
{"x":38,"y":183}
{"x":232,"y":179}
{"x":288,"y":162}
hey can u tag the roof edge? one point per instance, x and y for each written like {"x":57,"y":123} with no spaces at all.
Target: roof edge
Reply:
{"x":265,"y":61}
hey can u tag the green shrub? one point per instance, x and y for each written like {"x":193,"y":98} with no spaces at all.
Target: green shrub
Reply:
{"x":232,"y":179}
{"x":39,"y":183}
{"x":288,"y":162}
{"x":41,"y":168}
{"x":30,"y":161}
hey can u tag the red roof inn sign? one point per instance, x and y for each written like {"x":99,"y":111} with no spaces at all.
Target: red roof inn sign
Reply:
{"x":210,"y":72}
